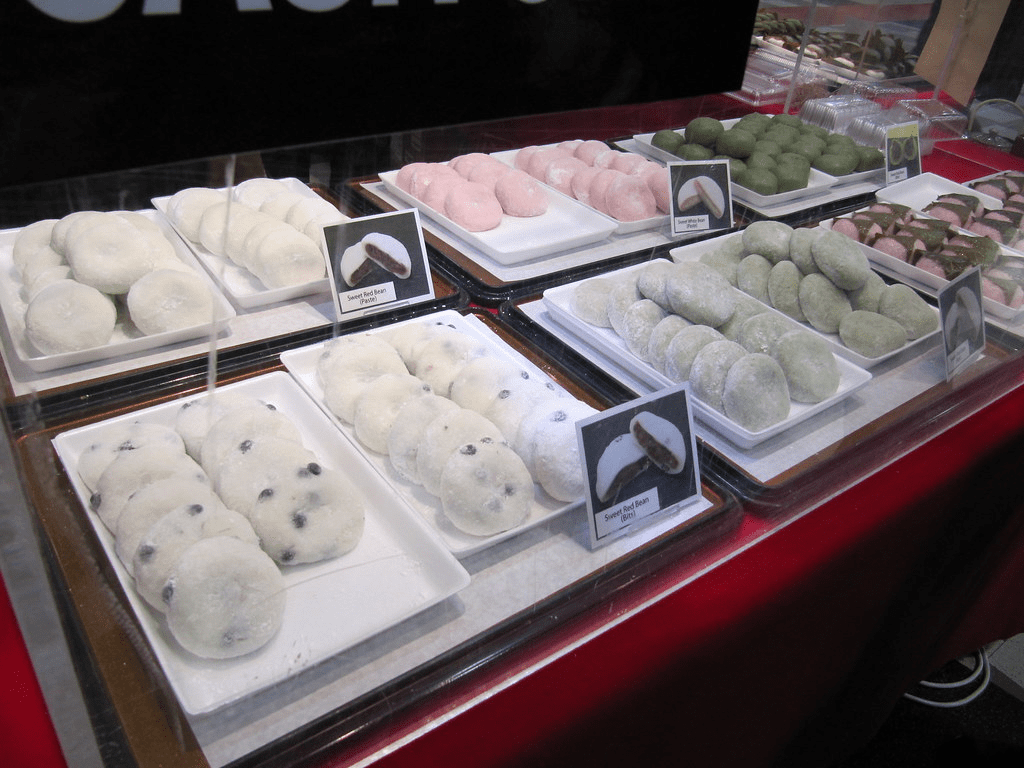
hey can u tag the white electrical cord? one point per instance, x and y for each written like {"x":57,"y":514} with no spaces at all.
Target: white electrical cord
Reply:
{"x":982,"y":668}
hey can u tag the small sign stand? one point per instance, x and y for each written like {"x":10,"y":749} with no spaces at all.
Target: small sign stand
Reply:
{"x":963,"y":321}
{"x":377,"y":263}
{"x":902,"y":152}
{"x":640,"y":460}
{"x":700,"y":193}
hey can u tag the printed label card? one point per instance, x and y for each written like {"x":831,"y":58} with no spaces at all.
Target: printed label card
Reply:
{"x":902,"y":152}
{"x":963,"y":321}
{"x":640,"y":460}
{"x":700,"y":193}
{"x":378,"y":263}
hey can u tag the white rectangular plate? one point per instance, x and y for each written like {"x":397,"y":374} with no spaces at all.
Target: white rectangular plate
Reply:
{"x":918,"y":191}
{"x":694,"y":252}
{"x":608,"y":343}
{"x":301,"y":363}
{"x":621,"y":227}
{"x":398,"y":569}
{"x":566,"y":224}
{"x":818,"y":183}
{"x":240,"y":285}
{"x":930,"y":283}
{"x":127,"y":339}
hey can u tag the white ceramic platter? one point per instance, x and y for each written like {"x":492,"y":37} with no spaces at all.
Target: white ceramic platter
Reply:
{"x":301,"y":363}
{"x":242,"y":287}
{"x":398,"y":569}
{"x":126,"y":340}
{"x":918,"y":191}
{"x":694,"y":252}
{"x":566,"y":224}
{"x":818,"y":183}
{"x":610,"y":345}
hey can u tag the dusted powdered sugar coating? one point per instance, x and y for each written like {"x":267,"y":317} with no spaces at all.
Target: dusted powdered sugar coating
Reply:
{"x":168,"y":300}
{"x":710,"y":368}
{"x":473,"y":207}
{"x":520,"y":195}
{"x":755,"y":394}
{"x":313,"y":513}
{"x":443,"y":436}
{"x":485,"y":488}
{"x":224,"y":599}
{"x":158,"y":551}
{"x":407,"y":431}
{"x":67,"y":316}
{"x":378,"y":406}
{"x":246,"y":423}
{"x":132,"y":470}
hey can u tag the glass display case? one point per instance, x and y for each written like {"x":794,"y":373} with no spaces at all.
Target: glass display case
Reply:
{"x":384,"y":609}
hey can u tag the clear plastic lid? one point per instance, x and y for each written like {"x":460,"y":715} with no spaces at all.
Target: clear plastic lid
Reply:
{"x":834,"y":113}
{"x":885,"y":92}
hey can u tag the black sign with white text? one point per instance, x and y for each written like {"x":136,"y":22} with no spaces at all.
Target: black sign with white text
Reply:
{"x":94,"y":85}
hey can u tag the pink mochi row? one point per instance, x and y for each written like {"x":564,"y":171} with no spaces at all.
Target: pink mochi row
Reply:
{"x":619,"y":184}
{"x":475,"y":191}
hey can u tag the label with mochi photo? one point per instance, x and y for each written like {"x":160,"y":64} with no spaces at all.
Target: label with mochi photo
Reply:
{"x":701,"y":196}
{"x":640,"y":460}
{"x":963,"y":321}
{"x":902,"y":152}
{"x":378,"y":262}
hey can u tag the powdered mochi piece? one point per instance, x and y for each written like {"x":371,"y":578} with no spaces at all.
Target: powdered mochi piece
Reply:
{"x":159,"y":550}
{"x":520,"y":195}
{"x":169,"y":300}
{"x":378,"y":406}
{"x":755,"y":394}
{"x":224,"y":599}
{"x":485,"y":488}
{"x":407,"y":430}
{"x":710,"y":368}
{"x":443,"y":436}
{"x":811,"y":369}
{"x":473,"y":207}
{"x":68,"y":316}
{"x":700,"y":294}
{"x":589,"y":301}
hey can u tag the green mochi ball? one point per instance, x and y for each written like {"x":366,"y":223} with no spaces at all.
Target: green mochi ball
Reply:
{"x":792,"y":158}
{"x":764,"y":146}
{"x":836,"y":163}
{"x":791,"y":177}
{"x":688,"y":151}
{"x":735,"y":142}
{"x":704,"y":130}
{"x":666,"y":140}
{"x":761,"y":160}
{"x":759,"y":180}
{"x":869,"y":158}
{"x":787,"y":120}
{"x":783,"y":135}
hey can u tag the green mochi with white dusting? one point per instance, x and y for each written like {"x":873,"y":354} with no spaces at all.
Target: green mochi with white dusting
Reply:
{"x":768,"y":238}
